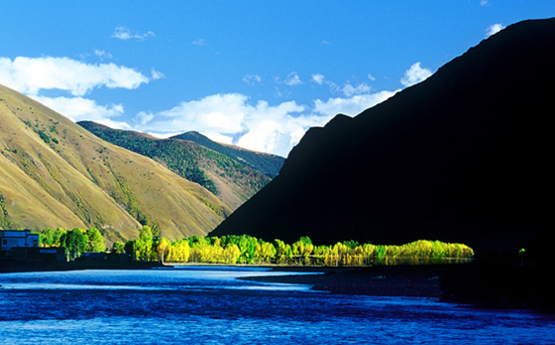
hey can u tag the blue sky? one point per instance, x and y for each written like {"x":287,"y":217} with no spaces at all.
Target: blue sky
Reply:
{"x":256,"y":74}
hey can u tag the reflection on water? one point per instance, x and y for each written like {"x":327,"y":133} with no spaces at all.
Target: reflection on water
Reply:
{"x":211,"y":306}
{"x":180,"y":278}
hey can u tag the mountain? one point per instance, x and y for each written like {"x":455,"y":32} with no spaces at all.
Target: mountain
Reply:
{"x":228,"y":179}
{"x":55,"y":173}
{"x":268,"y":164}
{"x":462,"y":157}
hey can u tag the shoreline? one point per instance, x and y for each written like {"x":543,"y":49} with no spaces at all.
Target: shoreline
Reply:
{"x":477,"y":284}
{"x":391,"y":281}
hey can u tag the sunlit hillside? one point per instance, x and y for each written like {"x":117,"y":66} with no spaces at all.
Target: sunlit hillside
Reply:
{"x":228,"y":179}
{"x":55,"y":173}
{"x":266,"y":163}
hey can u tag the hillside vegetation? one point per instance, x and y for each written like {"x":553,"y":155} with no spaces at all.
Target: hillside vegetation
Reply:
{"x":267,"y":163}
{"x":57,"y":174}
{"x":226,"y":178}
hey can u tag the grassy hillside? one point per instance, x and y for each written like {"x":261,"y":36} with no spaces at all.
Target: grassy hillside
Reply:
{"x":229,"y":180}
{"x":55,"y":173}
{"x":268,"y":164}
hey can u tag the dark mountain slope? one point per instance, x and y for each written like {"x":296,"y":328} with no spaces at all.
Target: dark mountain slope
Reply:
{"x":463,"y":156}
{"x":268,"y":164}
{"x":229,"y":180}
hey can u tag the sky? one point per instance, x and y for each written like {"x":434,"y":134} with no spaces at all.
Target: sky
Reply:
{"x":256,"y":74}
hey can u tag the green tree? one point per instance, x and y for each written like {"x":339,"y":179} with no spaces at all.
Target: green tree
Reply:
{"x":118,"y":247}
{"x":74,"y":243}
{"x":283,"y":252}
{"x":46,"y":237}
{"x":247,"y":245}
{"x":144,"y":246}
{"x":57,"y":236}
{"x":351,"y":244}
{"x":95,"y":241}
{"x":265,"y":252}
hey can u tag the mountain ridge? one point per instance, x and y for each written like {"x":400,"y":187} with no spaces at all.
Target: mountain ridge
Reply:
{"x":228,"y":179}
{"x":267,"y":163}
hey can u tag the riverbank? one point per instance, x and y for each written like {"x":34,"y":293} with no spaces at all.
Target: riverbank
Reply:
{"x":478,"y":284}
{"x":410,"y":281}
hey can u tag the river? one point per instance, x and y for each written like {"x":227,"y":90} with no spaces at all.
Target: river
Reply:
{"x":209,"y":305}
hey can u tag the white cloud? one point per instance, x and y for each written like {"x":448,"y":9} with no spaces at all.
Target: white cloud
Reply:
{"x":292,"y":79}
{"x":252,"y":79}
{"x":230,"y":118}
{"x":103,"y":55}
{"x":79,"y":108}
{"x":163,"y":135}
{"x":415,"y":74}
{"x":220,"y":138}
{"x":200,"y":42}
{"x":349,"y":90}
{"x":318,"y":78}
{"x":371,"y":77}
{"x":122,"y":32}
{"x":493,"y":29}
{"x":484,"y":3}
{"x":220,"y":113}
{"x":277,"y":93}
{"x":352,"y":105}
{"x":156,"y":74}
{"x":30,"y":75}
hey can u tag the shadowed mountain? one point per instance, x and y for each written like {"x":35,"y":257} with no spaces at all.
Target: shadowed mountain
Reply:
{"x":55,"y":173}
{"x":226,"y":178}
{"x":268,"y":164}
{"x":463,"y":157}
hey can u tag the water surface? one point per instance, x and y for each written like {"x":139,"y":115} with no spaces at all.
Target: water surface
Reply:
{"x":211,"y":306}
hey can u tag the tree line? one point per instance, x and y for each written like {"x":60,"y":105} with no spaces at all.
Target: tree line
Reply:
{"x":75,"y":241}
{"x":244,"y":249}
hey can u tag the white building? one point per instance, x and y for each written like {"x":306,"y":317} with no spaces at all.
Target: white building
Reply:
{"x":18,"y":239}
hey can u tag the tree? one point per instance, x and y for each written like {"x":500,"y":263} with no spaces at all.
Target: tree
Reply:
{"x":163,"y":249}
{"x":74,"y":243}
{"x":57,"y":236}
{"x":118,"y":247}
{"x":46,"y":237}
{"x":247,"y":244}
{"x":178,"y":252}
{"x":265,"y":252}
{"x":95,"y":241}
{"x":145,"y":233}
{"x":283,"y":252}
{"x":129,"y":247}
{"x":144,"y":246}
{"x":231,"y":254}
